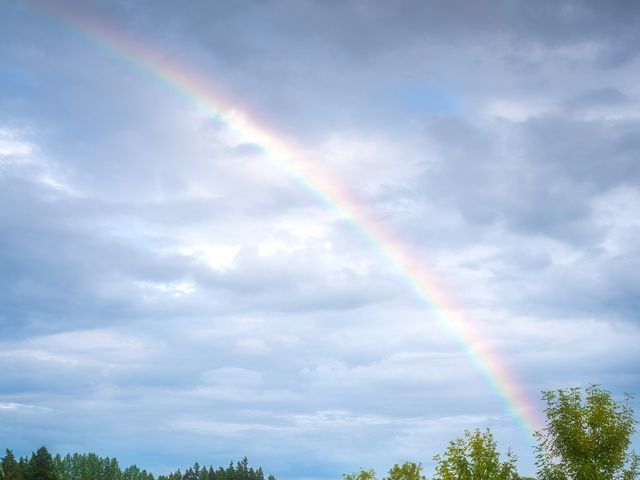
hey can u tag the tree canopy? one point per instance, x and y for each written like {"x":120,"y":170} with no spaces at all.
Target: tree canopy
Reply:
{"x":41,"y":466}
{"x":362,"y":474}
{"x":406,"y":471}
{"x":475,"y":457}
{"x":10,"y":467}
{"x":587,"y":436}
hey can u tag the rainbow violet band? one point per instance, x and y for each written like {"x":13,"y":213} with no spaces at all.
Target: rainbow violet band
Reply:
{"x":201,"y":95}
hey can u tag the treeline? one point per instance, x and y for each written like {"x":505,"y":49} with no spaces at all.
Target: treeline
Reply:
{"x":239,"y":471}
{"x":43,"y":466}
{"x":587,"y":436}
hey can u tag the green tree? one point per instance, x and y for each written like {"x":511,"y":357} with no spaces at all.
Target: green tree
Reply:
{"x":475,"y":457}
{"x":87,"y":466}
{"x":41,"y":466}
{"x":406,"y":471}
{"x":10,"y":467}
{"x":361,"y":475}
{"x":177,"y":475}
{"x":133,"y":472}
{"x":587,"y":436}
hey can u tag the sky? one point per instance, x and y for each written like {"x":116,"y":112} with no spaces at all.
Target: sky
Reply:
{"x":170,"y":293}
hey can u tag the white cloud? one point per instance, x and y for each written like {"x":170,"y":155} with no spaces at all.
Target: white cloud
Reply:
{"x":217,"y":257}
{"x":175,"y":289}
{"x":13,"y":150}
{"x":20,"y":157}
{"x":16,"y":408}
{"x":518,"y":110}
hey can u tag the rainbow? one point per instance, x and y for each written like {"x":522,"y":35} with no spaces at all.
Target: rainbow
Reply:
{"x":200,"y":95}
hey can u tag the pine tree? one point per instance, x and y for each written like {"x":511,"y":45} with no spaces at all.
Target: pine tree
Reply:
{"x":41,"y":466}
{"x":11,"y":468}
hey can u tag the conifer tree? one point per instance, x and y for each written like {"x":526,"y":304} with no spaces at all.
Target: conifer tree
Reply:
{"x":41,"y":466}
{"x":10,"y":467}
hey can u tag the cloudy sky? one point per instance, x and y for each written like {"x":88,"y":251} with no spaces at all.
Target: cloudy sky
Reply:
{"x":168,"y":294}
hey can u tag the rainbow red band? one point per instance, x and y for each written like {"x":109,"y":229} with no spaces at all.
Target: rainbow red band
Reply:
{"x":201,"y":96}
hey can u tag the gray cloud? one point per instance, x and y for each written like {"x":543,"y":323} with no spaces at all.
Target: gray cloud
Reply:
{"x":168,"y":294}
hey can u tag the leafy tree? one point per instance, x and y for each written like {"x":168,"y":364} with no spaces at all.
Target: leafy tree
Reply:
{"x":586,"y":436}
{"x":474,"y":457}
{"x":361,"y":475}
{"x":406,"y":471}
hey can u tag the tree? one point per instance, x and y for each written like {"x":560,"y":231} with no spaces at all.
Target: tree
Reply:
{"x":86,"y":466}
{"x":133,"y":472}
{"x":10,"y":467}
{"x":406,"y":471}
{"x":586,"y":436}
{"x":474,"y":457}
{"x":361,"y":475}
{"x":41,"y":466}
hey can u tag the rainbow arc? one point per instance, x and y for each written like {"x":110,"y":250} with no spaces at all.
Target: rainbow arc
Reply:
{"x":202,"y":95}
